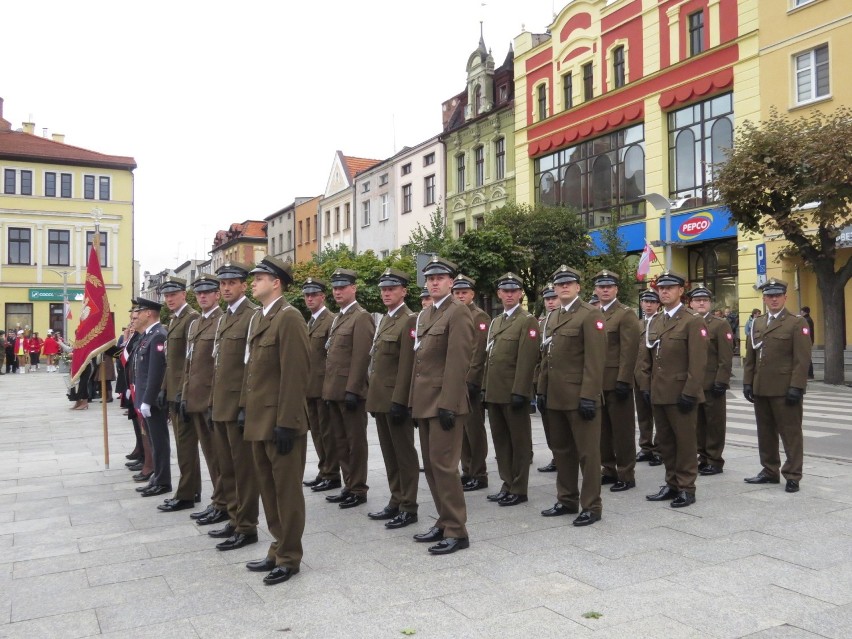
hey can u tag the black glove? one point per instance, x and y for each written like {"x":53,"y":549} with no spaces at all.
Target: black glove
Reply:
{"x":794,"y":396}
{"x":748,"y":393}
{"x":719,"y":390}
{"x":472,"y":391}
{"x":447,"y":418}
{"x":241,"y":419}
{"x":622,"y":390}
{"x":182,"y":411}
{"x":350,"y":400}
{"x":518,"y":402}
{"x":685,"y":404}
{"x":646,"y":395}
{"x":587,"y":409}
{"x":541,"y":403}
{"x":209,"y":417}
{"x":283,"y":438}
{"x":398,"y":413}
{"x":161,"y":399}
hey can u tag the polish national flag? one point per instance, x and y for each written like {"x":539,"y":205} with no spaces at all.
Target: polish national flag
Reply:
{"x":645,"y":260}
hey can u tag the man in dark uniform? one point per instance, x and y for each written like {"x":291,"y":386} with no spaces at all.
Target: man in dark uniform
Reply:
{"x":276,"y":416}
{"x":474,"y":474}
{"x":649,"y":302}
{"x":425,"y":298}
{"x":712,"y":412}
{"x":345,"y":387}
{"x":775,"y":376}
{"x":513,"y":352}
{"x":671,"y":378}
{"x":444,"y":338}
{"x":551,"y":303}
{"x":149,"y":372}
{"x":618,"y":434}
{"x":236,"y":460}
{"x":806,"y":315}
{"x":319,"y":324}
{"x":188,"y":490}
{"x":571,"y":379}
{"x":390,"y":365}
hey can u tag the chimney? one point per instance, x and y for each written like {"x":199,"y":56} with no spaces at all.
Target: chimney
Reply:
{"x":59,"y":137}
{"x":29,"y":127}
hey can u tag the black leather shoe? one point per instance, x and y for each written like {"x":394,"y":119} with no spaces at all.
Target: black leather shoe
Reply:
{"x":512,"y":500}
{"x":339,"y":497}
{"x":762,"y":478}
{"x":666,"y":493}
{"x":709,"y":470}
{"x":310,"y":483}
{"x":402,"y":520}
{"x":607,"y":479}
{"x":353,"y":500}
{"x":202,"y":513}
{"x":550,"y":468}
{"x":644,"y":456}
{"x":261,"y":565}
{"x":279,"y":575}
{"x":216,"y":517}
{"x":657,"y":461}
{"x":587,"y":518}
{"x":792,"y":486}
{"x":224,"y":532}
{"x":153,"y":491}
{"x":326,"y":484}
{"x":237,"y":540}
{"x":475,"y":484}
{"x":173,"y":505}
{"x":498,"y":496}
{"x":621,"y":486}
{"x":133,"y":461}
{"x":134,"y":456}
{"x":385,"y":513}
{"x":142,"y":489}
{"x":142,"y":477}
{"x":433,"y":534}
{"x":702,"y":466}
{"x":465,"y":479}
{"x":449,"y":546}
{"x":560,"y":509}
{"x":683,"y":500}
{"x":136,"y":467}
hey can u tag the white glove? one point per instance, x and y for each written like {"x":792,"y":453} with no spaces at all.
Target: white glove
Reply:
{"x":127,"y":393}
{"x":145,"y":409}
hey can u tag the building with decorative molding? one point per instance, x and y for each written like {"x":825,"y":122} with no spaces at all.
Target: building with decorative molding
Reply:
{"x":335,"y":208}
{"x":244,"y":242}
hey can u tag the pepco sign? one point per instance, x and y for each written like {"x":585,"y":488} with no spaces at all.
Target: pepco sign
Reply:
{"x":700,"y":225}
{"x":695,"y":225}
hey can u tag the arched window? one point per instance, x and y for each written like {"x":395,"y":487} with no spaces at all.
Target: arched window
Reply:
{"x":572,"y":188}
{"x":602,"y":182}
{"x":721,"y":140}
{"x":477,"y":100}
{"x":548,"y":193}
{"x":633,"y":175}
{"x":685,"y":160}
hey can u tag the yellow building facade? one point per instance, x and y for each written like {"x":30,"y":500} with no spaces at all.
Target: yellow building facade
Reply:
{"x":50,"y":197}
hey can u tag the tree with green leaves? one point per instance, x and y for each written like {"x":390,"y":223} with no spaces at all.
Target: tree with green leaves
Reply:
{"x":431,"y":239}
{"x":613,"y":258}
{"x":794,"y":176}
{"x":483,"y":254}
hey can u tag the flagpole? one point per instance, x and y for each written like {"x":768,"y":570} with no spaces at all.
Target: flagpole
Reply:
{"x":96,"y":240}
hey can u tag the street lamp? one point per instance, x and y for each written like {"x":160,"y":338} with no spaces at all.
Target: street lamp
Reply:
{"x":64,"y":275}
{"x":662,"y":203}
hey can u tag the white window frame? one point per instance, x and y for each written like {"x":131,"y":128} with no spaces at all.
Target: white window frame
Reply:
{"x":365,"y":213}
{"x":384,"y":213}
{"x":812,"y":70}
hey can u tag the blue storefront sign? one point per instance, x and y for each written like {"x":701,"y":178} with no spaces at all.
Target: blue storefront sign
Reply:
{"x":632,"y":235}
{"x":700,"y":225}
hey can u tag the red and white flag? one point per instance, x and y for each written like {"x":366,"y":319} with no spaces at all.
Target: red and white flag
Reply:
{"x":645,"y":260}
{"x":96,"y":331}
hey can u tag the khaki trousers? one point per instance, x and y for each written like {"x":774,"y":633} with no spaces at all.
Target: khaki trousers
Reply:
{"x":618,"y":437}
{"x":327,"y":466}
{"x":475,"y":442}
{"x":577,"y":448}
{"x":189,"y":464}
{"x":237,"y":476}
{"x":350,"y":442}
{"x":512,"y":436}
{"x":775,"y":419}
{"x":401,"y":461}
{"x":710,"y":430}
{"x":677,"y":445}
{"x":645,"y":418}
{"x":441,"y":451}
{"x":205,"y":438}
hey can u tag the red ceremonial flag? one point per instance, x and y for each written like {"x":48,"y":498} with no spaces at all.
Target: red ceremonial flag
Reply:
{"x":96,"y":331}
{"x":67,"y":312}
{"x":645,"y":260}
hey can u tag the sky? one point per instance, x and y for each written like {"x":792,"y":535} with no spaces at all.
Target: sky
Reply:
{"x":233,"y":109}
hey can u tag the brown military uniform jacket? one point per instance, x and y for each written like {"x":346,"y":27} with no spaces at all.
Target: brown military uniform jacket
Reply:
{"x":720,"y":352}
{"x":513,"y":353}
{"x":573,"y":363}
{"x":176,"y":351}
{"x":229,"y":362}
{"x":317,"y":337}
{"x":445,"y":338}
{"x":777,"y":357}
{"x":276,"y":373}
{"x":198,"y":374}
{"x":481,"y":321}
{"x":622,"y":345}
{"x":392,"y":336}
{"x":675,"y":363}
{"x":348,"y":354}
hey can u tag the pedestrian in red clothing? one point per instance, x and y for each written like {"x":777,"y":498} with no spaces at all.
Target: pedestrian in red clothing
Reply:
{"x":34,"y":349}
{"x":50,"y":349}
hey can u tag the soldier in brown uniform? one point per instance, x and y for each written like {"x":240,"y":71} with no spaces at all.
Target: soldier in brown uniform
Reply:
{"x":649,"y":302}
{"x":571,"y":382}
{"x":390,"y":366}
{"x":778,"y":354}
{"x":197,"y":380}
{"x":551,"y":303}
{"x":276,"y":416}
{"x":345,"y":387}
{"x":444,"y":337}
{"x":474,"y":474}
{"x":236,"y":460}
{"x":425,"y":298}
{"x":671,"y":378}
{"x":618,"y":434}
{"x":319,"y":324}
{"x":173,"y":291}
{"x":512,"y":356}
{"x":712,"y":414}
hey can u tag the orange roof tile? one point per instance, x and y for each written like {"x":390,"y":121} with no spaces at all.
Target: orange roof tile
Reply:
{"x":25,"y":146}
{"x":356,"y":165}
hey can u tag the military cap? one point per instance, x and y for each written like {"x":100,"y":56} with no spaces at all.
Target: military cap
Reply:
{"x":565,"y":274}
{"x":393,"y":277}
{"x":700,"y":291}
{"x":548,"y":291}
{"x":463,"y":282}
{"x":605,"y":278}
{"x":205,"y":283}
{"x":440,"y":266}
{"x":774,"y":286}
{"x":671,"y":278}
{"x":509,"y":282}
{"x":172,"y":285}
{"x":233,"y":271}
{"x":649,"y":295}
{"x":594,"y":299}
{"x":276,"y":268}
{"x":144,"y":304}
{"x":343,"y":277}
{"x":425,"y":293}
{"x":314,"y":285}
